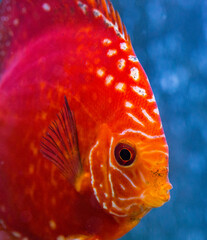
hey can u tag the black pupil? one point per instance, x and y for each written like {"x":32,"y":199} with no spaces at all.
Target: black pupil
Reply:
{"x":125,"y":154}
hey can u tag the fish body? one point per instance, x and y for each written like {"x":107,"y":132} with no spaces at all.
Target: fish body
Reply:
{"x":73,"y":91}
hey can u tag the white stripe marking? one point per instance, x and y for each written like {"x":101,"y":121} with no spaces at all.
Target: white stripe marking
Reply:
{"x":122,"y":187}
{"x":116,"y":207}
{"x":156,"y":111}
{"x":139,"y":91}
{"x":135,"y":119}
{"x":147,"y":116}
{"x":91,"y":171}
{"x":129,"y":130}
{"x":128,"y":199}
{"x":109,"y":175}
{"x":142,"y":177}
{"x":118,"y":215}
{"x":97,"y":13}
{"x":155,"y":151}
{"x":152,"y":99}
{"x":82,"y":6}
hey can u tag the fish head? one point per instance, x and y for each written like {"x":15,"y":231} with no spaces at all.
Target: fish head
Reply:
{"x":129,"y":160}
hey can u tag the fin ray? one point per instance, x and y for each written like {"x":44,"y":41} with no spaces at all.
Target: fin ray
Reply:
{"x":108,"y":11}
{"x":60,"y":144}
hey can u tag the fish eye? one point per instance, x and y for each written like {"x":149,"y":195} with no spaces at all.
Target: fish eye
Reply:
{"x":124,"y":154}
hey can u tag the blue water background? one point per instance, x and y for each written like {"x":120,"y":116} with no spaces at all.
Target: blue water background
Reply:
{"x":170,"y":40}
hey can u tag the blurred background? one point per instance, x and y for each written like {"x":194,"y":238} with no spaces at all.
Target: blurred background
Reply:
{"x":170,"y":40}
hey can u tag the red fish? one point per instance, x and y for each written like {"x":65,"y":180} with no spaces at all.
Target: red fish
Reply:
{"x":83,"y":154}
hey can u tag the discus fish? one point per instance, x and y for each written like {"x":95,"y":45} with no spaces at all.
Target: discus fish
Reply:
{"x":83,"y":154}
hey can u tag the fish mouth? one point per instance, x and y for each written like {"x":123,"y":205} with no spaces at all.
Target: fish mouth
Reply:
{"x":156,"y":197}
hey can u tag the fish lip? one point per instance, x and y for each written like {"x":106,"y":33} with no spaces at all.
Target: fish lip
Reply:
{"x":157,"y":197}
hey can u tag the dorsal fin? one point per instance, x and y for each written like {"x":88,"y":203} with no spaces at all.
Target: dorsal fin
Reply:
{"x":110,"y":14}
{"x":60,"y":144}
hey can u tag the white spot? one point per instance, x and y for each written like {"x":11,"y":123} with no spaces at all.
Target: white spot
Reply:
{"x":139,"y":91}
{"x":120,"y":87}
{"x":101,"y":185}
{"x":129,"y":130}
{"x":156,"y":111}
{"x":100,"y":72}
{"x":123,"y":46}
{"x":128,"y":104}
{"x":134,"y":73}
{"x":52,"y":224}
{"x":104,"y":205}
{"x":16,"y":234}
{"x":133,"y":58}
{"x":46,"y":7}
{"x":147,"y":115}
{"x":135,"y":119}
{"x":96,"y":13}
{"x":123,"y":188}
{"x":121,"y":64}
{"x":141,"y":196}
{"x":106,"y":195}
{"x":106,"y":42}
{"x":152,"y":99}
{"x":109,"y":79}
{"x":101,"y":165}
{"x":111,"y":52}
{"x":16,"y":21}
{"x":82,"y":6}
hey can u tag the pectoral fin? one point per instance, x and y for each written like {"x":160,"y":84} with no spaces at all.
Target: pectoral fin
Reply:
{"x":60,"y":144}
